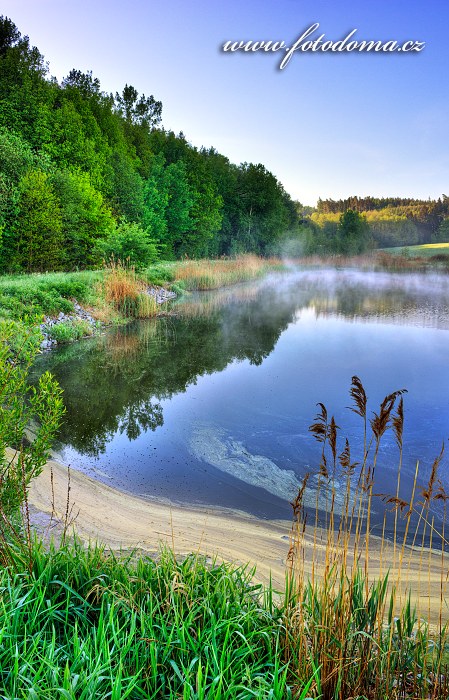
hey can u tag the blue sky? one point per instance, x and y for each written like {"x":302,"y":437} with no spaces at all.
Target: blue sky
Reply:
{"x":329,"y":125}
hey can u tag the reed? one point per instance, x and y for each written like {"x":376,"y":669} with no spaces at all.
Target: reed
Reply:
{"x":126,"y":292}
{"x":211,"y":274}
{"x":354,"y":626}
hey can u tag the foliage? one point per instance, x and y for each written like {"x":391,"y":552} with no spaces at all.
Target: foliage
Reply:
{"x":69,"y":331}
{"x":130,"y":243}
{"x":416,"y":220}
{"x":352,"y":233}
{"x":85,"y":218}
{"x":75,"y":160}
{"x":21,"y":406}
{"x":84,"y":624}
{"x":38,"y":227}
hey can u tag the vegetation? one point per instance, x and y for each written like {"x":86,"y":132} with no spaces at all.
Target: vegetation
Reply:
{"x":204,"y":274}
{"x":85,"y":175}
{"x":429,"y":250}
{"x":20,"y":406}
{"x":116,"y":292}
{"x":82,"y":623}
{"x":391,"y":222}
{"x":352,"y":624}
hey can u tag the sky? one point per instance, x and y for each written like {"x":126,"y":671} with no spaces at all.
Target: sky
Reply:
{"x":328,"y":125}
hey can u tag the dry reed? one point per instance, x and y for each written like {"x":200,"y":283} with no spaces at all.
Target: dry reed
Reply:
{"x":211,"y":274}
{"x":126,"y":292}
{"x":351,"y":626}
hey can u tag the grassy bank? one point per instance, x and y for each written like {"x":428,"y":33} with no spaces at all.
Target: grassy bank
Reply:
{"x":83,"y":623}
{"x":115,"y":293}
{"x":427,"y":250}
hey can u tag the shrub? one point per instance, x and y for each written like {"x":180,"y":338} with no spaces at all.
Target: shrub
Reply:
{"x":68,"y":331}
{"x":129,"y":243}
{"x":20,"y":405}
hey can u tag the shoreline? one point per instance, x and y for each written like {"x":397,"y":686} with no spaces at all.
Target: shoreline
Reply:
{"x":124,"y":522}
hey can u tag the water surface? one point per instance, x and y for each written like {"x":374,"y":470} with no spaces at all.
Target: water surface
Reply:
{"x":212,"y":405}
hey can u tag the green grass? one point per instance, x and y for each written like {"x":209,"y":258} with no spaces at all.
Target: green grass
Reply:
{"x":80,"y":624}
{"x":420,"y":251}
{"x":45,"y":294}
{"x":71,"y":330}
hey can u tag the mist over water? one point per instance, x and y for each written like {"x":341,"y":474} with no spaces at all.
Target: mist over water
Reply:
{"x":212,"y":405}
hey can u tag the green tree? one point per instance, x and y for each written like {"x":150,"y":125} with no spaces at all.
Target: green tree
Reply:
{"x":138,"y":110}
{"x":129,"y":243}
{"x":85,"y":217}
{"x":127,"y":188}
{"x":38,"y":228}
{"x":156,"y":199}
{"x":442,"y":235}
{"x":352,"y":233}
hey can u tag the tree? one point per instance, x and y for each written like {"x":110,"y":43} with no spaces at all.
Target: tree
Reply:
{"x":442,"y":235}
{"x":129,"y":243}
{"x":127,"y":188}
{"x":84,"y":83}
{"x":85,"y":217}
{"x":38,"y":228}
{"x":138,"y":110}
{"x":352,"y":233}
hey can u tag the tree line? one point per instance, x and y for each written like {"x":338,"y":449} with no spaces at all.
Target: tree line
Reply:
{"x":86,"y":175}
{"x":392,"y":221}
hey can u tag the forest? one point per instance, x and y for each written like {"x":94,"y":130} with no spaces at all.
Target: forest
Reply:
{"x":86,"y":176}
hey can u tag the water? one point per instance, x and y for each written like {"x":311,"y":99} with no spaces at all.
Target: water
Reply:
{"x":212,"y":404}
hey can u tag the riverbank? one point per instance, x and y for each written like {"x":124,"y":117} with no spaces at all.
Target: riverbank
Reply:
{"x":121,"y":521}
{"x":66,"y":306}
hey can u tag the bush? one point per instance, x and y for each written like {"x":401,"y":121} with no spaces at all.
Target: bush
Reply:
{"x":68,"y":331}
{"x":21,"y":405}
{"x":129,"y":243}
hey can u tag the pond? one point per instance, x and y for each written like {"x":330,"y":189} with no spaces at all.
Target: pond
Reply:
{"x":211,"y":404}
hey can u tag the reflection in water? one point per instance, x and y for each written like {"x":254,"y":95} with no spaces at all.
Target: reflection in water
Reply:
{"x":213,"y":403}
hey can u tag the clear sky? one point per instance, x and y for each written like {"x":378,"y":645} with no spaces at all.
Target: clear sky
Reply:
{"x":329,"y":124}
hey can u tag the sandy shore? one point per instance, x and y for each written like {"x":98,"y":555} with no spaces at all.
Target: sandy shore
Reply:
{"x":123,"y":521}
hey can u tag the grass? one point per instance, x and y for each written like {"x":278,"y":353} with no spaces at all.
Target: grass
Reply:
{"x":117,"y":292}
{"x":81,"y":624}
{"x":353,"y":624}
{"x":406,"y":258}
{"x":45,"y":294}
{"x":211,"y":274}
{"x":428,"y":250}
{"x":126,"y":292}
{"x":71,"y":330}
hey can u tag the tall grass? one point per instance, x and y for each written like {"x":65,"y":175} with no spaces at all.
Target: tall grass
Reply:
{"x":127,"y":293}
{"x":354,"y":625}
{"x":211,"y":274}
{"x":83,"y":625}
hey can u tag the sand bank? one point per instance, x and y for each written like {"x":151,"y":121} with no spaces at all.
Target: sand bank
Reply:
{"x":121,"y":520}
{"x":124,"y":521}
